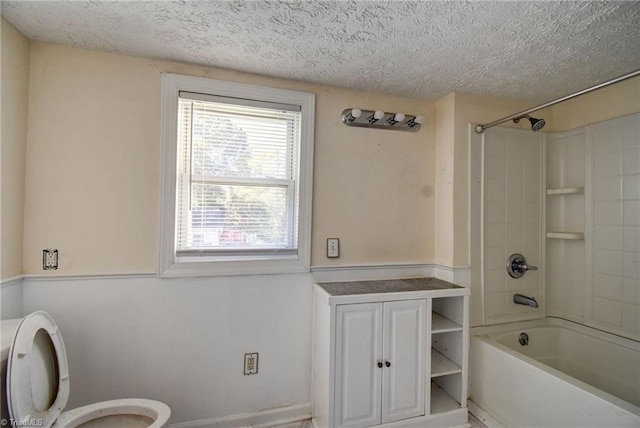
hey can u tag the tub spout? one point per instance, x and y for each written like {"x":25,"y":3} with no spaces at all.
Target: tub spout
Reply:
{"x":524,"y":300}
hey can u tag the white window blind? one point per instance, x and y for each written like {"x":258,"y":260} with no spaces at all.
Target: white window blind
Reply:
{"x":237,"y":174}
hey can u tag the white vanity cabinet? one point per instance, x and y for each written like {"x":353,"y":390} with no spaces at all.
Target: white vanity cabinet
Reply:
{"x":390,"y":353}
{"x":380,"y":364}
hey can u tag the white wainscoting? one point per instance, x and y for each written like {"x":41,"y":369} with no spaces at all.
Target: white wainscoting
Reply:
{"x":11,"y":298}
{"x":182,"y":341}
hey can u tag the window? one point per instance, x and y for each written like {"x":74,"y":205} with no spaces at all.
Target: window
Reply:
{"x":236,"y":186}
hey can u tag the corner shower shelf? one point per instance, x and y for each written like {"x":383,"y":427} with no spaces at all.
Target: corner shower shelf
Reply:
{"x":566,"y":191}
{"x":440,"y":324}
{"x":566,"y":235}
{"x":441,"y":365}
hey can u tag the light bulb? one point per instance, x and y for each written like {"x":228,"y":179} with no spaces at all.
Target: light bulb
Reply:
{"x":350,"y":115}
{"x":399,"y":117}
{"x":419,"y":119}
{"x":376,"y":116}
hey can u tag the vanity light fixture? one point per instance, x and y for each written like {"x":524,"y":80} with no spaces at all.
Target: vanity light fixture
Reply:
{"x":353,"y":115}
{"x":379,"y":119}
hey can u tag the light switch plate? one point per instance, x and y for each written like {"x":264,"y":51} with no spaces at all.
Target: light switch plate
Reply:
{"x":333,"y":248}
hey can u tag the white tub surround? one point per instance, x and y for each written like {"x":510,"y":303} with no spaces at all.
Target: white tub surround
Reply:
{"x":567,"y":375}
{"x":593,"y":225}
{"x":376,"y":343}
{"x":506,"y":207}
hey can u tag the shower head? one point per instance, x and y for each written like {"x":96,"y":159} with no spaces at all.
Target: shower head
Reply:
{"x":536,"y":124}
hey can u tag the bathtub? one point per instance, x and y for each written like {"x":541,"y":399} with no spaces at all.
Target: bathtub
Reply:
{"x":568,"y":375}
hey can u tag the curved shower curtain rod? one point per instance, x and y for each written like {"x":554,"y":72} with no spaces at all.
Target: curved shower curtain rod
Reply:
{"x":481,"y":128}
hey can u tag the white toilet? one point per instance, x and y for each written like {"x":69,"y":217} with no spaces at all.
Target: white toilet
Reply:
{"x":36,"y":376}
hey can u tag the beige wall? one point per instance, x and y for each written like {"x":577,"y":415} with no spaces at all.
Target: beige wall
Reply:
{"x":14,"y":88}
{"x":94,"y":155}
{"x":445,"y":166}
{"x":391,"y":197}
{"x":620,"y":99}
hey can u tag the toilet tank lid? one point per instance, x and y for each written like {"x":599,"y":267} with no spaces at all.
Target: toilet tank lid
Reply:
{"x":8,"y":330}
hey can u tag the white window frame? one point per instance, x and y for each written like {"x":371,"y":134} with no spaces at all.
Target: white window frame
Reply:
{"x":169,"y":265}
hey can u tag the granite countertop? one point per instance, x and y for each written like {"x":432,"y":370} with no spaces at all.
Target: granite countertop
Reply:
{"x":386,"y":286}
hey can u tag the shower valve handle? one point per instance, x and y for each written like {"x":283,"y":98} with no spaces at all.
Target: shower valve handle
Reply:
{"x":517,"y":266}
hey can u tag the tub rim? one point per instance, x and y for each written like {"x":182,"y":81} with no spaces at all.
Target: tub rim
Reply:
{"x":484,"y":333}
{"x":548,"y":322}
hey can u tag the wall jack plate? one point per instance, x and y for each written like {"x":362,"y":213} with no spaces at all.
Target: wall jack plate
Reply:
{"x":333,"y":248}
{"x":251,"y":363}
{"x":50,"y":259}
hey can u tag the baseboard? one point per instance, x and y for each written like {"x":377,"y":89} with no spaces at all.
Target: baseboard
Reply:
{"x":262,"y":419}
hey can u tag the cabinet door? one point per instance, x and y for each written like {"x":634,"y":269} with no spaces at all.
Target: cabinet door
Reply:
{"x":404,"y":350}
{"x":357,"y":376}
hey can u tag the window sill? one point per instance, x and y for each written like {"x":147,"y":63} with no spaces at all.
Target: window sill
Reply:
{"x":189,"y":268}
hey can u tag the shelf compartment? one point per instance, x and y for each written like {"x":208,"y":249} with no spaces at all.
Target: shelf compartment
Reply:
{"x":441,"y":401}
{"x":440,"y":324}
{"x":441,"y":365}
{"x":566,"y":191}
{"x":566,"y":235}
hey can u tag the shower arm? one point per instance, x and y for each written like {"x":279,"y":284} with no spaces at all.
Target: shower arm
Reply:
{"x":481,"y":128}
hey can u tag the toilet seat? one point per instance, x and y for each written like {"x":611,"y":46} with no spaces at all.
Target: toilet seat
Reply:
{"x":30,"y":357}
{"x":37,"y":384}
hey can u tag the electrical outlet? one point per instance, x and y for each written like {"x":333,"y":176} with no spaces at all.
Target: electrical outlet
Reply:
{"x":251,"y":363}
{"x":333,"y":248}
{"x":50,"y":259}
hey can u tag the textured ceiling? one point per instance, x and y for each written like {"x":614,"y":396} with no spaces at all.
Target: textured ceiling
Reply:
{"x":527,"y":50}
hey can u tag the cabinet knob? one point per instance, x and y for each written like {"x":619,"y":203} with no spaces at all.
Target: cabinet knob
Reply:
{"x":387,"y":363}
{"x":379,"y":364}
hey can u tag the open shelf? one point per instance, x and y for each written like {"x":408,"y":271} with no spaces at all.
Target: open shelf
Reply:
{"x":440,"y":324}
{"x":566,"y":235}
{"x":566,"y":191}
{"x":441,"y":365}
{"x":441,"y":401}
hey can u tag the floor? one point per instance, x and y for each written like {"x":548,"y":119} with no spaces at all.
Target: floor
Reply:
{"x":475,"y":423}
